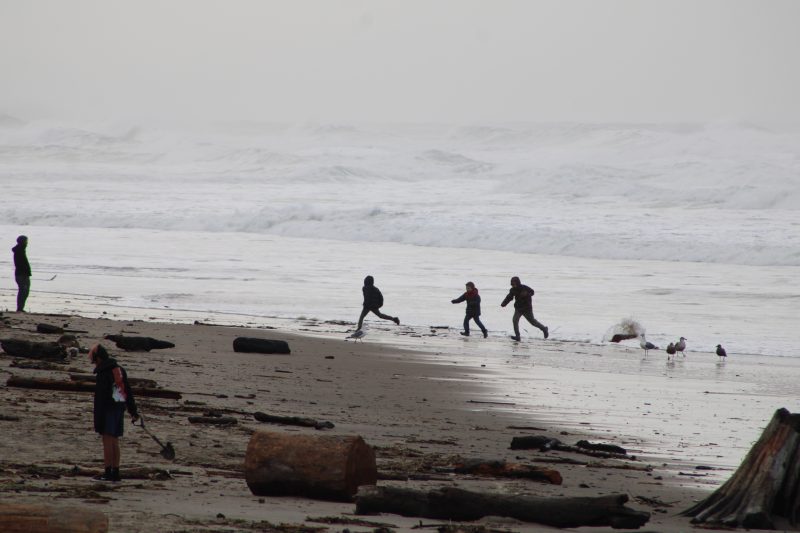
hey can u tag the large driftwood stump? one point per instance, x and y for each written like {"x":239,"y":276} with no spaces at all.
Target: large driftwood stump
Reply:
{"x":450,"y":503}
{"x":329,"y":467}
{"x":34,"y":350}
{"x":766,"y":486}
{"x":24,"y":518}
{"x":253,"y":345}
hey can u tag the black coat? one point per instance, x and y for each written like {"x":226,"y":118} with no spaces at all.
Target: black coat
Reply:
{"x":103,"y":391}
{"x":21,"y":265}
{"x":522,"y":296}
{"x":373,"y":299}
{"x":473,"y":300}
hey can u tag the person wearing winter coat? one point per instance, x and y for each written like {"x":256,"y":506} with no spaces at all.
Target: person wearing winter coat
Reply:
{"x":523,"y":307}
{"x":473,"y":300}
{"x":22,"y":272}
{"x":373,"y":301}
{"x":112,"y":397}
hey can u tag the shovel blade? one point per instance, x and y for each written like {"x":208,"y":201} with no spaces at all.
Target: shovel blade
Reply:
{"x":168,"y":452}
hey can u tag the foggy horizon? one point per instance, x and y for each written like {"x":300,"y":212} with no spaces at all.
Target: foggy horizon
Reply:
{"x":446,"y":62}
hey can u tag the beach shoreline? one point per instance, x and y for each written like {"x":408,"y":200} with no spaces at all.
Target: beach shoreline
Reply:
{"x":407,"y":403}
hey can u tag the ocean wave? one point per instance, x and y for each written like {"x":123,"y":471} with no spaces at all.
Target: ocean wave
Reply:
{"x":714,"y":193}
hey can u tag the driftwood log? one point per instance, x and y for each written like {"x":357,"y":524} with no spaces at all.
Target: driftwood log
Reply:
{"x":37,"y":518}
{"x":50,"y":329}
{"x":328,"y":467}
{"x":34,"y":350}
{"x":83,"y":386}
{"x":213,"y":420}
{"x":544,"y":443}
{"x":450,"y":503}
{"x":253,"y":345}
{"x":483,"y":468}
{"x":293,"y":421}
{"x":765,"y":489}
{"x":133,"y":382}
{"x":138,"y":344}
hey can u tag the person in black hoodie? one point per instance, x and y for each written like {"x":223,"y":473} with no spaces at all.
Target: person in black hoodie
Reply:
{"x":473,"y":300}
{"x":373,"y":301}
{"x":112,"y":396}
{"x":523,"y":306}
{"x":22,"y":272}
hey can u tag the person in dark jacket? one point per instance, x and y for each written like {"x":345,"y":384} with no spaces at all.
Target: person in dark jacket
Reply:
{"x":523,"y":306}
{"x":22,"y":272}
{"x":473,"y":300}
{"x":112,"y":396}
{"x":373,"y":301}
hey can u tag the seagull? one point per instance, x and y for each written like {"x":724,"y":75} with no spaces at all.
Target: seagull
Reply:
{"x":670,"y":350}
{"x":646,"y":346}
{"x":721,"y":352}
{"x":357,"y":335}
{"x":680,"y":346}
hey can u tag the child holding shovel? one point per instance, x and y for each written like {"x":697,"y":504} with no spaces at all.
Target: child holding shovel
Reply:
{"x":112,"y":396}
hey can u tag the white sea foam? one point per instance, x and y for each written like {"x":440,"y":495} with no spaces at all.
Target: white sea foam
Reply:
{"x":710,"y":193}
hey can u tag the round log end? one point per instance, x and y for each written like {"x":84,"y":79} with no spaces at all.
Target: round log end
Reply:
{"x":329,"y":467}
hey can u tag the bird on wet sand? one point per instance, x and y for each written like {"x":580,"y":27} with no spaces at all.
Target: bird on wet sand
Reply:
{"x":357,"y":335}
{"x":646,"y":346}
{"x":670,"y":350}
{"x":721,"y":352}
{"x":680,"y":346}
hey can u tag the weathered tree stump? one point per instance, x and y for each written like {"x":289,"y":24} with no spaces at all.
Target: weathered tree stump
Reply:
{"x":765,"y":488}
{"x":328,"y":467}
{"x":138,"y":344}
{"x":83,"y":386}
{"x":450,"y":503}
{"x":36,"y":518}
{"x":34,"y":350}
{"x":253,"y":345}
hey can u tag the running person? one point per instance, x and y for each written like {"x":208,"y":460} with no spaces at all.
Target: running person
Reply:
{"x":473,"y":300}
{"x":523,"y":306}
{"x":373,"y":301}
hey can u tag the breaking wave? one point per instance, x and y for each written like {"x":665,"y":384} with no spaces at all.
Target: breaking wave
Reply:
{"x":726,"y":193}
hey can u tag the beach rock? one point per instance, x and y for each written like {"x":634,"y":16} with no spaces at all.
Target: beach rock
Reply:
{"x":254,"y":345}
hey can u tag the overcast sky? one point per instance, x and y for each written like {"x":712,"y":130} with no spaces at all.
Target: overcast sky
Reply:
{"x":402,"y":60}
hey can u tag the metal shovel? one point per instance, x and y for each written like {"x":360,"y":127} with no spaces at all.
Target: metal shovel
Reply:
{"x":167,"y":452}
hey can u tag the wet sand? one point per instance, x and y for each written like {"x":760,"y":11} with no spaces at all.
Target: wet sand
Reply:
{"x":417,"y":408}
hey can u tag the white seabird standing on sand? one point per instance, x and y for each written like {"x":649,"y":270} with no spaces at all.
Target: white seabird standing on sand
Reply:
{"x":680,"y":346}
{"x":358,"y":334}
{"x":646,"y":346}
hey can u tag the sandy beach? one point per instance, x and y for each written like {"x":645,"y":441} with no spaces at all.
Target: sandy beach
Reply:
{"x":418,"y":409}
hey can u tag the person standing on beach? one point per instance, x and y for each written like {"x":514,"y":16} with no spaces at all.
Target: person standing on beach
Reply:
{"x":373,"y":301}
{"x":22,"y":272}
{"x":473,"y":300}
{"x":523,"y":306}
{"x":112,"y":396}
